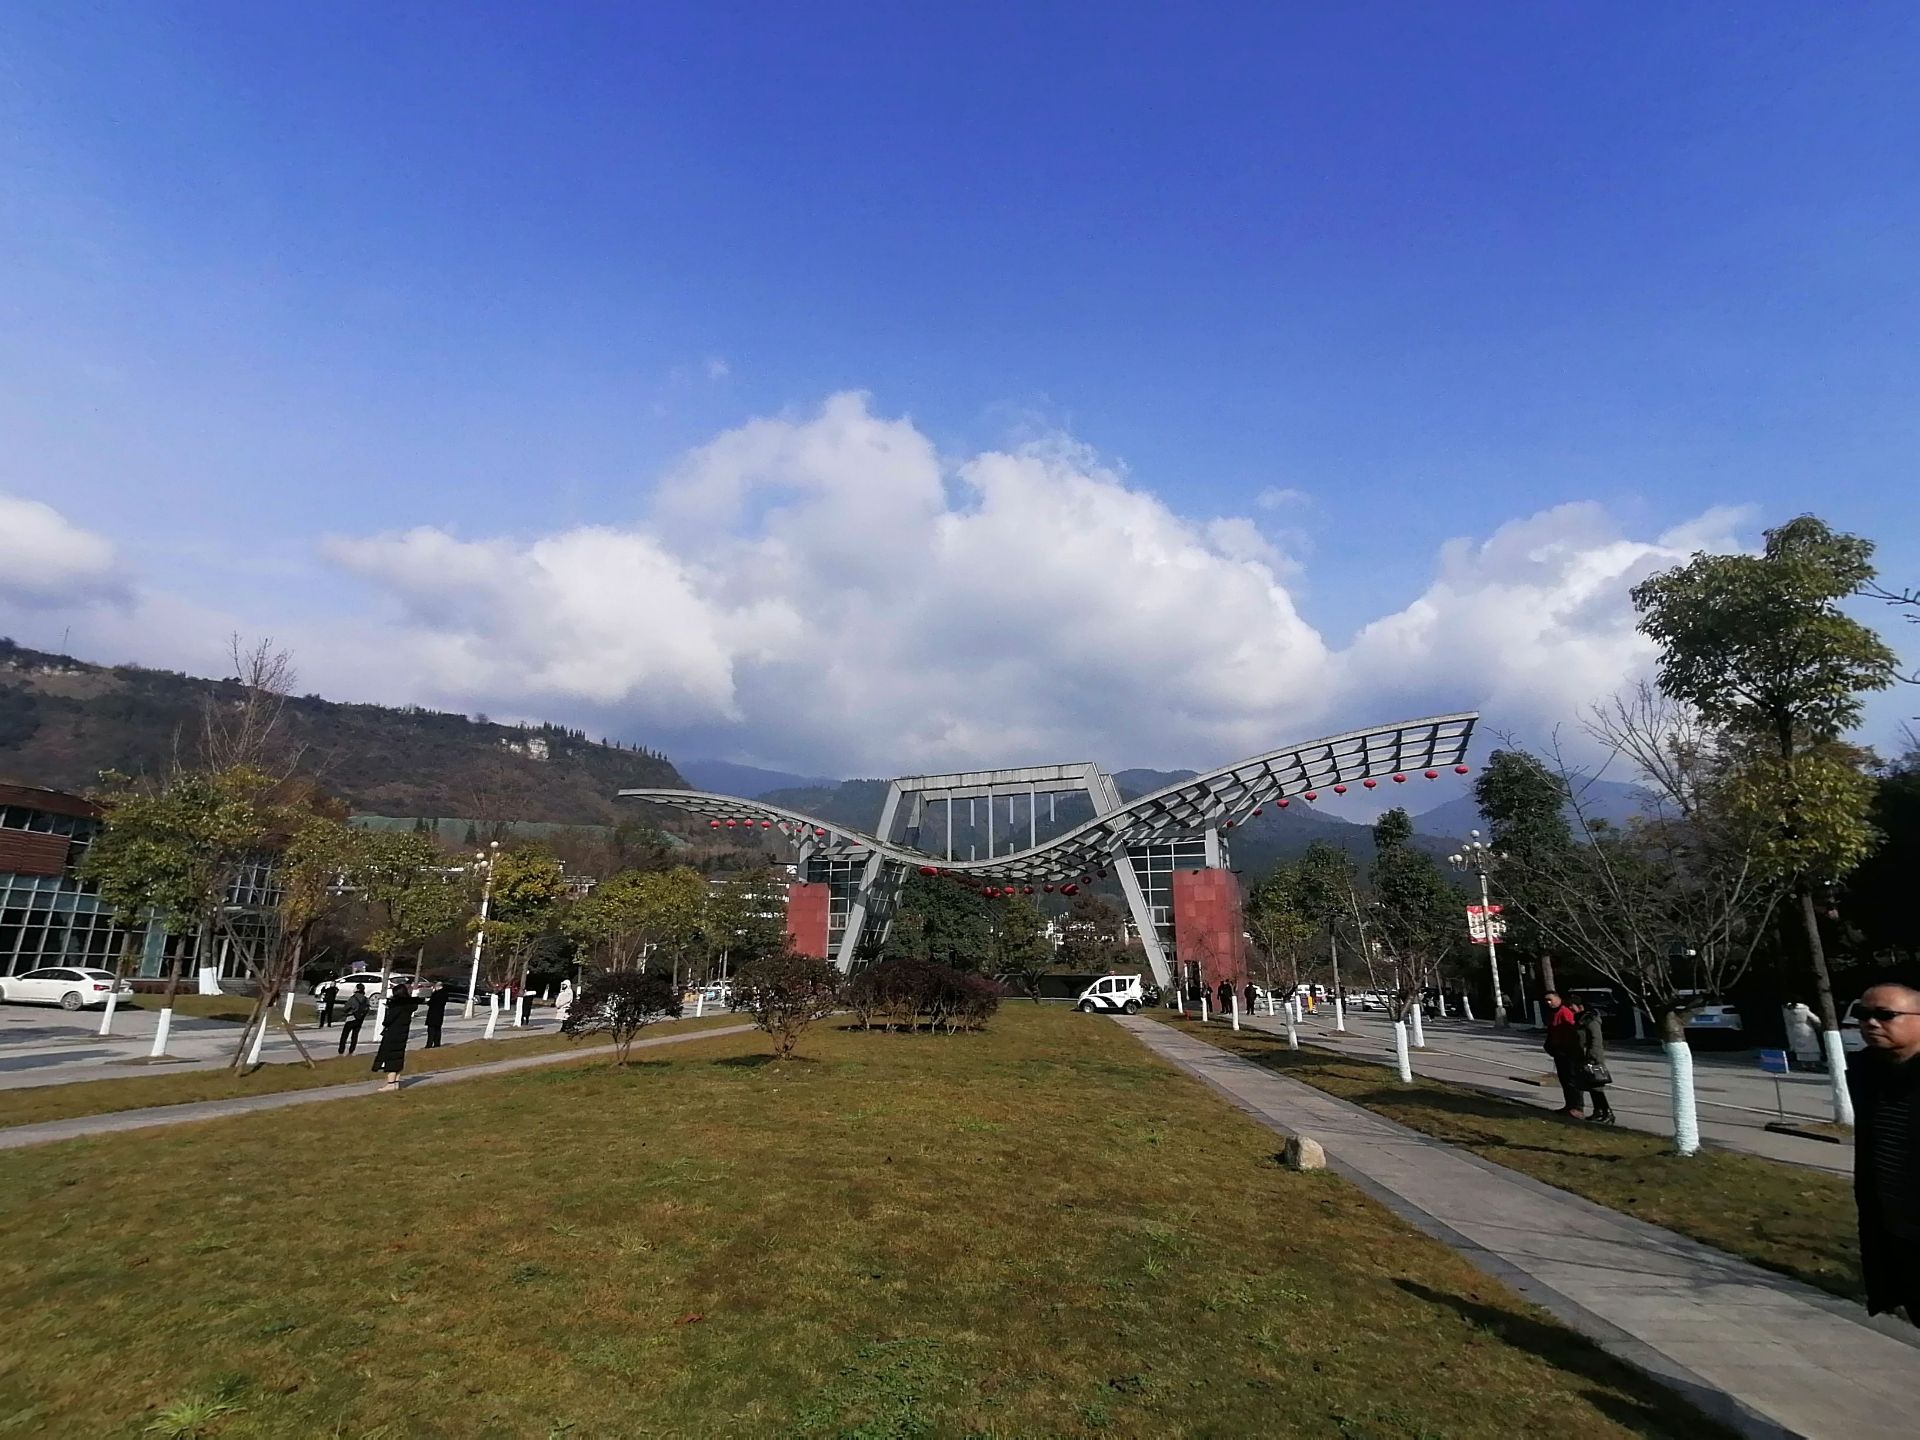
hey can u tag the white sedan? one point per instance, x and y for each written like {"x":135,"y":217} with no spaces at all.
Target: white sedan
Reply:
{"x":69,"y":989}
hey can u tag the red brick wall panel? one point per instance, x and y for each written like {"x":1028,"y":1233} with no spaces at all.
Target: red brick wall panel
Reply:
{"x":807,"y":919}
{"x":1208,"y":928}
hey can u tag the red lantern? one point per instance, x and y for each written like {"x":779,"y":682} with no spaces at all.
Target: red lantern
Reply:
{"x":1029,"y":889}
{"x":713,"y":824}
{"x":819,"y":832}
{"x":1282,"y":802}
{"x":1227,"y":826}
{"x":1369,"y":783}
{"x":729,"y":824}
{"x":1462,"y":769}
{"x":928,"y":870}
{"x":1433,"y":774}
{"x":1339,"y":789}
{"x":1069,"y":889}
{"x":1399,"y":779}
{"x":1255,"y":812}
{"x":1312,"y":796}
{"x":766,"y":824}
{"x":1049,"y":889}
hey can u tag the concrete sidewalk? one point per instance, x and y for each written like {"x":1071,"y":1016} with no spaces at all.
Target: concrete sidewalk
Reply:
{"x":1765,"y":1354}
{"x":19,"y":1136}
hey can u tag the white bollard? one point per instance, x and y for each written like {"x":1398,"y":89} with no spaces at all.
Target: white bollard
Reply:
{"x":106,"y":1019}
{"x":1234,"y":1001}
{"x":1419,"y":1030}
{"x":1270,"y":1004}
{"x":493,"y":1015}
{"x":1339,"y":1015}
{"x":259,"y":1039}
{"x":160,"y":1034}
{"x":700,"y":1005}
{"x":1180,"y":999}
{"x":518,"y":1002}
{"x":1402,"y":1060}
{"x":1293,"y":1035}
{"x":1203,"y":1009}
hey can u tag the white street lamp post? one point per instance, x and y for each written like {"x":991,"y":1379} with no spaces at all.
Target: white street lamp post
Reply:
{"x":485,"y":857}
{"x":1477,"y":855}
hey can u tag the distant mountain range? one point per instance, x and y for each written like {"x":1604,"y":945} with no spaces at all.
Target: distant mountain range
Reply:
{"x":749,"y":782}
{"x":1609,"y":800}
{"x":63,"y":721}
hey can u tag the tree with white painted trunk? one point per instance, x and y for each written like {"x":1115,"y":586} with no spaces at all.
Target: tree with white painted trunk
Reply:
{"x":1759,"y":646}
{"x":1408,"y":927}
{"x":1671,"y":907}
{"x":1281,"y":928}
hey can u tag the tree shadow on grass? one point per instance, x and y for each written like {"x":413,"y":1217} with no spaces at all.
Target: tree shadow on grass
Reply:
{"x":1397,"y":1102}
{"x":761,"y":1061}
{"x":1624,"y":1395}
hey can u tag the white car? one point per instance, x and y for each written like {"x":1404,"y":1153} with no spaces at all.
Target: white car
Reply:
{"x":368,"y":978}
{"x":1851,"y":1040}
{"x":1113,"y":994}
{"x":69,"y":989}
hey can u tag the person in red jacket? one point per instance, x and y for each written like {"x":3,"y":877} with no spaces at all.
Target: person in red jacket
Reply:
{"x":1563,"y":1044}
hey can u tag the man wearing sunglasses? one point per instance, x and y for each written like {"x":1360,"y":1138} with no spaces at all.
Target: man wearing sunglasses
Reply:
{"x":1885,"y":1081}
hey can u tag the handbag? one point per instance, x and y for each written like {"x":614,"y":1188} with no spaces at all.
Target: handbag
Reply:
{"x":1595,"y":1072}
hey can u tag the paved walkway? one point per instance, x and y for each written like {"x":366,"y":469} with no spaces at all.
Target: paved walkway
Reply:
{"x":1763,"y":1353}
{"x":19,"y":1136}
{"x":1736,"y":1099}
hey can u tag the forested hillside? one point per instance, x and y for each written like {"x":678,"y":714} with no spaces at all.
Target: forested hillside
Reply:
{"x":63,"y":721}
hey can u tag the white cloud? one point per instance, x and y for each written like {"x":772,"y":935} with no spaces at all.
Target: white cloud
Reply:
{"x":1276,"y":497}
{"x":827,"y":588}
{"x":717,"y":368}
{"x":46,"y":561}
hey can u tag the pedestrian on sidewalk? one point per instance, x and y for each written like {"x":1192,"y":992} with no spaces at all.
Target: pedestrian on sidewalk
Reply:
{"x":1225,"y":994}
{"x":1250,"y":997}
{"x":563,"y":1003}
{"x":1594,"y":1074}
{"x":436,"y":1013}
{"x":1563,"y":1044}
{"x":1803,"y":1035}
{"x":391,"y":1058}
{"x":1884,"y":1080}
{"x":329,"y":992}
{"x":357,"y":1008}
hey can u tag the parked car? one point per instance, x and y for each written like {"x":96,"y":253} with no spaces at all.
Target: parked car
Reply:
{"x":69,"y":989}
{"x":369,"y":978}
{"x":1715,"y":1024}
{"x":1851,"y":1039}
{"x":1112,"y":994}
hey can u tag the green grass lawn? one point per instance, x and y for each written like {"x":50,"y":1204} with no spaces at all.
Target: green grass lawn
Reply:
{"x":1041,"y":1230}
{"x":1790,"y":1219}
{"x":142,"y":1088}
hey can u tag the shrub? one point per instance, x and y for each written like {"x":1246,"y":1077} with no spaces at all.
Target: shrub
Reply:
{"x":619,"y":1003}
{"x":786,"y":992}
{"x":899,"y":991}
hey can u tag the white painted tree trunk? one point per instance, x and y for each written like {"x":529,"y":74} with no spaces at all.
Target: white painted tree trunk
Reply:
{"x":1203,"y":1009}
{"x":1686,"y":1116}
{"x":160,"y":1033}
{"x":286,"y":1010}
{"x":1402,"y":1057}
{"x":1440,"y":1003}
{"x":1466,"y":1005}
{"x":1293,"y":1035}
{"x":380,"y":1018}
{"x":1419,"y":1030}
{"x":1180,"y":1002}
{"x":1339,"y":1015}
{"x":517,"y":999}
{"x":1837,"y":1076}
{"x":700,"y":1005}
{"x":209,"y":980}
{"x":1235,"y":1002}
{"x":259,"y":1039}
{"x":106,"y":1017}
{"x":1639,"y":1024}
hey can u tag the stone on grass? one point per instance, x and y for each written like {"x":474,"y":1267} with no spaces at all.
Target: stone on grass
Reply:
{"x":1305,"y":1154}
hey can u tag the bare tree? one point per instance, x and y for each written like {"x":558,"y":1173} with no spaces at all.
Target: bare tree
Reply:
{"x":1672,"y":906}
{"x":246,"y":731}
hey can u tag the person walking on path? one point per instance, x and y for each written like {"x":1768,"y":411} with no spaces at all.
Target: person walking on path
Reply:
{"x":436,"y":1013}
{"x":1594,"y":1075}
{"x":329,"y":992}
{"x":357,"y":1008}
{"x":1884,"y":1080}
{"x":391,"y":1058}
{"x":563,"y":1002}
{"x":1803,"y":1035}
{"x":1563,"y":1044}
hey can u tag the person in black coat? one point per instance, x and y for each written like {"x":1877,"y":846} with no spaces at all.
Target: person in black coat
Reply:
{"x":391,"y":1058}
{"x":1884,"y":1080}
{"x":1225,"y":994}
{"x":356,"y":1017}
{"x":436,"y":1013}
{"x":1594,"y":1074}
{"x":329,"y":992}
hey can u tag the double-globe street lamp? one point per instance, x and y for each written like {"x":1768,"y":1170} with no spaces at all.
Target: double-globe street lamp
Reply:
{"x":484,"y":860}
{"x":1478,"y":856}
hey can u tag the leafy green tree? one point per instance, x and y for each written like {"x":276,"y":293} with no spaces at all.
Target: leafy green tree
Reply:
{"x":406,"y":875}
{"x":744,"y":919}
{"x":937,"y":920}
{"x":1327,"y":894}
{"x":1525,"y":805}
{"x":1879,"y":895}
{"x":1413,"y":920}
{"x":529,"y":888}
{"x":1280,"y":924}
{"x":1093,"y":935}
{"x":1022,"y":955}
{"x":1758,"y":645}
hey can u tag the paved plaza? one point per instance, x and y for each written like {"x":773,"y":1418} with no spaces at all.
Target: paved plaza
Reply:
{"x":1767,"y":1355}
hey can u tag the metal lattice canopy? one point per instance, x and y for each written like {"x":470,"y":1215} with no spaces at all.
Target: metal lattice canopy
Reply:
{"x":1220,"y":798}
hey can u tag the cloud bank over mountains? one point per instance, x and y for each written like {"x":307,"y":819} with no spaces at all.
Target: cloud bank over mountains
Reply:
{"x":828,"y":592}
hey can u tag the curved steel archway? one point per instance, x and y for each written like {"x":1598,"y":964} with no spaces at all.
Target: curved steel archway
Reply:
{"x":1218,"y":799}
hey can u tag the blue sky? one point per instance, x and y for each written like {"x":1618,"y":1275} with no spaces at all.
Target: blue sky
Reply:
{"x":1375,"y":277}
